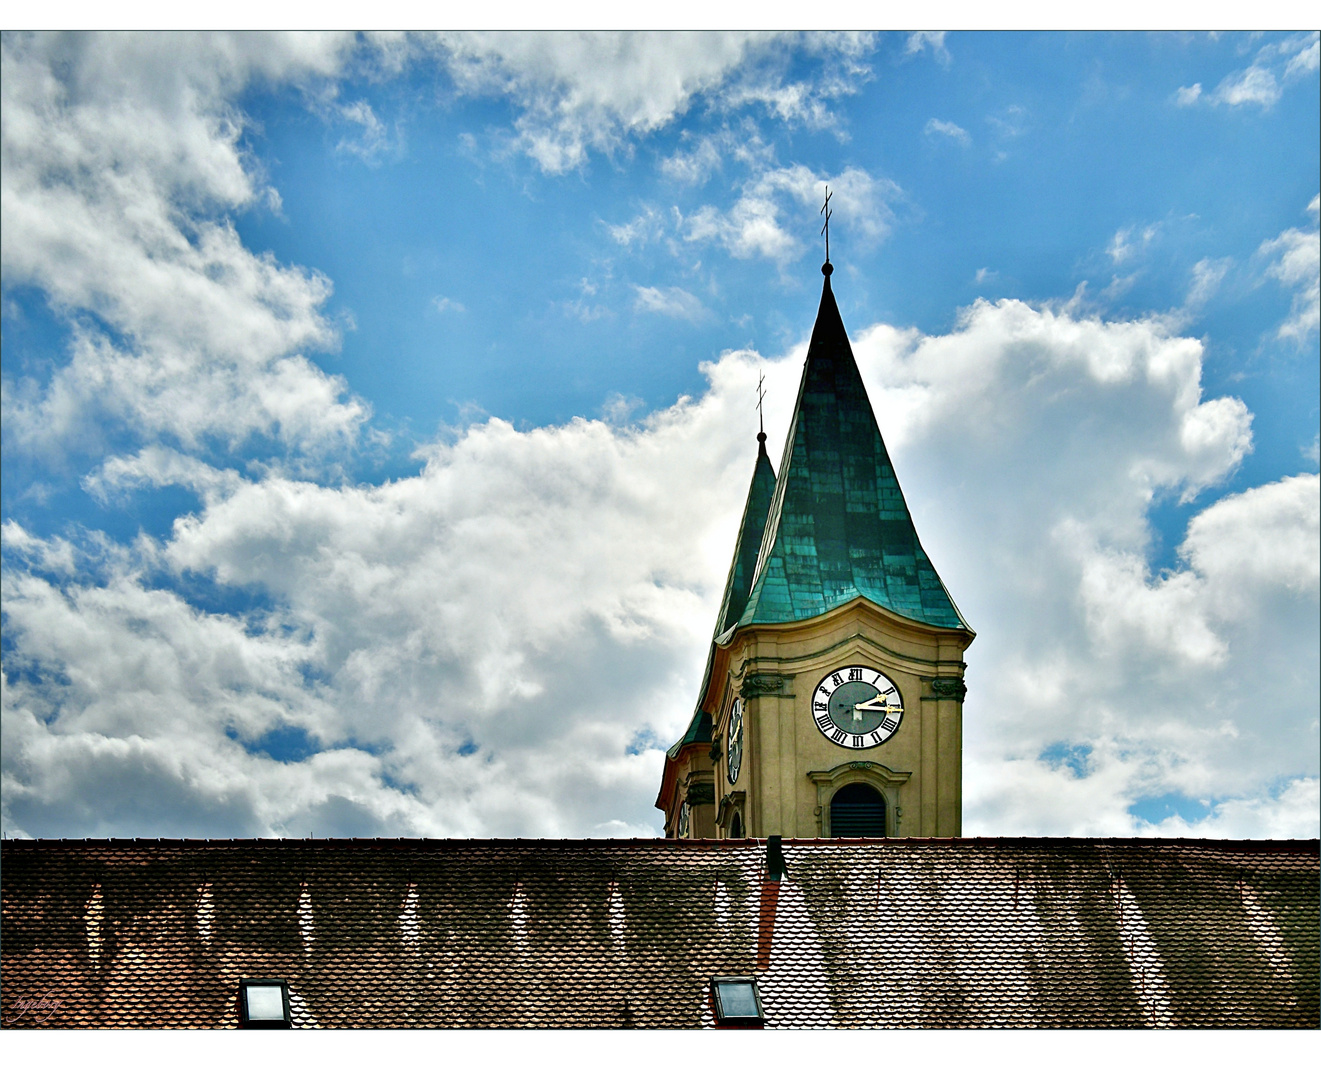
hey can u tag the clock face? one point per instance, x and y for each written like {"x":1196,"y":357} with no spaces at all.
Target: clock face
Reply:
{"x":857,"y":707}
{"x":684,"y":812}
{"x":734,"y":744}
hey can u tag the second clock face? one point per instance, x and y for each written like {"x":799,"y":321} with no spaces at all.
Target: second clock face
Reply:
{"x":857,"y":707}
{"x":734,"y":751}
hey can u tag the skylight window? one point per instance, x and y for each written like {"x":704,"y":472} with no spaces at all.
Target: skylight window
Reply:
{"x":264,"y":1003}
{"x":737,"y":1003}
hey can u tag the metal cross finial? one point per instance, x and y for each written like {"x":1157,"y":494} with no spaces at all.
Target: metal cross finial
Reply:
{"x":825,"y":229}
{"x":761,"y":394}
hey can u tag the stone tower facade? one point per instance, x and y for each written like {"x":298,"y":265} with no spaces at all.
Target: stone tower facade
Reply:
{"x":832,"y":701}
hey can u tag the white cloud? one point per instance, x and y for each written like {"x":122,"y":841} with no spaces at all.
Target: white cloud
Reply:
{"x":121,"y":154}
{"x":1298,"y":264}
{"x":646,"y":228}
{"x":444,"y":303}
{"x":949,"y":129}
{"x":371,"y":141}
{"x":1260,"y":82}
{"x":707,"y":155}
{"x":1130,"y":242}
{"x":579,"y":92}
{"x":1224,"y":543}
{"x":1207,"y":276}
{"x":934,"y":40}
{"x":693,"y":166}
{"x":1291,"y":812}
{"x":1308,"y":59}
{"x":1069,"y":431}
{"x":672,"y":301}
{"x":1189,"y":95}
{"x":449,"y":642}
{"x":807,"y":100}
{"x":752,"y":228}
{"x":1252,"y":86}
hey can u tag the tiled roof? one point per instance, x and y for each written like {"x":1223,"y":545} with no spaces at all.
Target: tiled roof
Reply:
{"x":486,"y":933}
{"x":839,"y":527}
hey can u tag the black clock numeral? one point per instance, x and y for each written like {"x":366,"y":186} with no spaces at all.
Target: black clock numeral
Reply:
{"x":821,"y":706}
{"x":890,"y":723}
{"x":857,"y":742}
{"x":855,"y":674}
{"x":835,"y":677}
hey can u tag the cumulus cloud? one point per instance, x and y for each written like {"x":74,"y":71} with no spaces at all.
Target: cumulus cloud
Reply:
{"x":588,"y":91}
{"x":751,"y":228}
{"x":430,"y":655}
{"x":122,"y":153}
{"x":1298,"y":265}
{"x":580,"y":92}
{"x":949,"y":129}
{"x":440,"y":647}
{"x":1100,"y":680}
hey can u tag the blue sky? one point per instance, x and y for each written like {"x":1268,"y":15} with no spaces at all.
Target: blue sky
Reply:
{"x":378,"y":410}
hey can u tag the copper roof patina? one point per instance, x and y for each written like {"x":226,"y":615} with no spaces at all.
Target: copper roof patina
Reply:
{"x":961,"y":933}
{"x":739,"y":581}
{"x":839,"y":527}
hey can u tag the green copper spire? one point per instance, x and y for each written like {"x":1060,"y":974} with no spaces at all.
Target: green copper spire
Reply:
{"x":838,"y":526}
{"x":739,"y":581}
{"x":748,"y":546}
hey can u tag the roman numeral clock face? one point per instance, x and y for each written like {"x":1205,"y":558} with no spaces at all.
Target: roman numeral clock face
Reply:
{"x":857,"y":707}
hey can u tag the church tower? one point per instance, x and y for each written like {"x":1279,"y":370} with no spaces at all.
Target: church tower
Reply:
{"x":832,"y":702}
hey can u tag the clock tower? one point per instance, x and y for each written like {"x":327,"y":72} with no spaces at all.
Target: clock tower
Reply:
{"x":832,"y":701}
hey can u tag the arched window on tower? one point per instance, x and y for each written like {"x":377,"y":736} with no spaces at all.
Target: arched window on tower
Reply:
{"x":736,"y":827}
{"x":857,"y":810}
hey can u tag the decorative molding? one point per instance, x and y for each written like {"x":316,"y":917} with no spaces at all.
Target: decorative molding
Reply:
{"x":949,"y":689}
{"x":700,"y":795}
{"x":886,"y":780}
{"x":838,"y":776}
{"x":757,"y":685}
{"x":840,"y":647}
{"x":734,"y":802}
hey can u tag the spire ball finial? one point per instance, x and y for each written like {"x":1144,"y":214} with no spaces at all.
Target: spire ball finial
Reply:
{"x":826,"y":268}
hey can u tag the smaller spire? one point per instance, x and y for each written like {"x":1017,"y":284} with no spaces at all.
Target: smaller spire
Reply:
{"x":826,"y":268}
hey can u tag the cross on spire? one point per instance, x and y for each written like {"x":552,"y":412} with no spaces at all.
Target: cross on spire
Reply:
{"x":825,"y":229}
{"x":761,"y":394}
